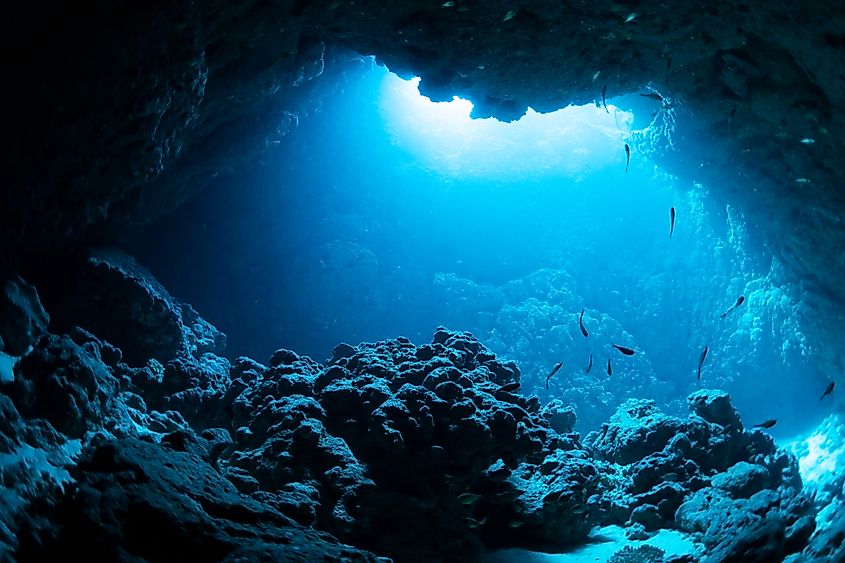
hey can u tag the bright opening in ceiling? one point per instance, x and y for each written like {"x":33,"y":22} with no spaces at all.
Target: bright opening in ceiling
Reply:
{"x":571,"y":142}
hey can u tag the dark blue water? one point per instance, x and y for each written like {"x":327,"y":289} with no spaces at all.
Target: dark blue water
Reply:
{"x":374,"y":220}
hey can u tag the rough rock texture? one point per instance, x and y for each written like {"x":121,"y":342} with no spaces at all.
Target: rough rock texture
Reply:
{"x":22,"y":317}
{"x":33,"y":463}
{"x":66,"y":384}
{"x":734,"y":490}
{"x":419,"y":453}
{"x":820,"y":457}
{"x":159,"y":502}
{"x":373,"y":448}
{"x":113,"y":295}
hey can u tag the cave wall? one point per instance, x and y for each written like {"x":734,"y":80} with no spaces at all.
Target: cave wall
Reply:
{"x":119,"y":111}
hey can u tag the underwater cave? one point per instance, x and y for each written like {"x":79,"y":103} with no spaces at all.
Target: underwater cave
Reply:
{"x":405,"y":281}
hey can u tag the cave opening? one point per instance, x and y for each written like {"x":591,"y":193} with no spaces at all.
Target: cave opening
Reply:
{"x":385,"y":213}
{"x":260,"y":299}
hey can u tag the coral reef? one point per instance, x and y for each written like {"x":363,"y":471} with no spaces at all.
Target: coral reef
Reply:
{"x":120,"y":416}
{"x":733,"y":489}
{"x":535,"y":320}
{"x":371,"y":447}
{"x":414,"y":452}
{"x":378,"y":436}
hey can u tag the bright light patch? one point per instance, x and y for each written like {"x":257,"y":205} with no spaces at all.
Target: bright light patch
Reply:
{"x":572,"y":142}
{"x":820,"y":454}
{"x":820,"y":460}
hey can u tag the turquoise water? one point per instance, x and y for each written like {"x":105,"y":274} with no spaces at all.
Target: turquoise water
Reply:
{"x":384,"y":214}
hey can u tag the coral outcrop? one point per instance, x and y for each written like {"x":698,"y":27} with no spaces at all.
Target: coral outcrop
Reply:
{"x":734,"y":490}
{"x":535,"y":319}
{"x":373,"y":447}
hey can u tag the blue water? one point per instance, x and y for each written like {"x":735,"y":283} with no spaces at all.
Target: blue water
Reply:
{"x":381,"y":216}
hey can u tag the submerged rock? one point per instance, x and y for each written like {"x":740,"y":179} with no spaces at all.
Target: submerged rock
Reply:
{"x":743,"y":480}
{"x":420,"y":453}
{"x":119,"y":300}
{"x":704,"y":475}
{"x":715,"y":406}
{"x":66,"y":384}
{"x":381,"y":437}
{"x":22,"y":317}
{"x":144,"y":501}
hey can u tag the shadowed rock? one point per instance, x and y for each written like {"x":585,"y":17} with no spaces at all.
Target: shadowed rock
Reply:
{"x":22,"y":317}
{"x":118,"y":299}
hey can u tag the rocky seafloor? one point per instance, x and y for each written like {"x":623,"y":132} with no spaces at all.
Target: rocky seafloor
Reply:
{"x":155,"y":447}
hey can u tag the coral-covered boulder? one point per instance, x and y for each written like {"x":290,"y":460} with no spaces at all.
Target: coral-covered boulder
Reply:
{"x":637,"y":429}
{"x":196,"y":387}
{"x":561,"y":417}
{"x":714,"y":406}
{"x":743,"y":480}
{"x":738,"y":530}
{"x":704,"y":475}
{"x":419,"y":452}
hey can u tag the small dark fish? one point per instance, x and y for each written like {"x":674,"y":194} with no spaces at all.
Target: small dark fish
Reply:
{"x":510,"y":387}
{"x":731,"y":119}
{"x":468,"y":498}
{"x":553,"y":372}
{"x":609,"y":369}
{"x":473,"y":523}
{"x":604,"y":98}
{"x":653,"y":96}
{"x":627,"y":156}
{"x":625,"y":350}
{"x":581,"y":324}
{"x":739,"y":302}
{"x":766,"y":423}
{"x":701,"y":359}
{"x":671,"y":221}
{"x":589,"y":365}
{"x":829,"y":389}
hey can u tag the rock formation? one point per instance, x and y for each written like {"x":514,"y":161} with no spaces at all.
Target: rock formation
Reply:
{"x":413,"y":452}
